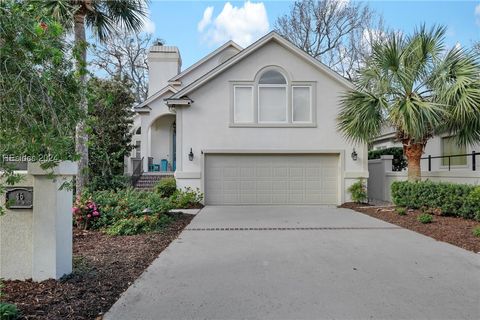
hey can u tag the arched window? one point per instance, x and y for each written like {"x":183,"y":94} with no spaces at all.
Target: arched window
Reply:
{"x":272,"y":77}
{"x":272,"y":97}
{"x":139,"y":130}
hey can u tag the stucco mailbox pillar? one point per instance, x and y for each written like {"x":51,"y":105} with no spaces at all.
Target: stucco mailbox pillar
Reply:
{"x":36,"y":242}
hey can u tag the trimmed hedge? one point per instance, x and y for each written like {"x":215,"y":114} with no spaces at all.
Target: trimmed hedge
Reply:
{"x":452,"y":199}
{"x":399,"y":161}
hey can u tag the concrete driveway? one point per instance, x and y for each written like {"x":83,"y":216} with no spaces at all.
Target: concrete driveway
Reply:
{"x":302,"y":262}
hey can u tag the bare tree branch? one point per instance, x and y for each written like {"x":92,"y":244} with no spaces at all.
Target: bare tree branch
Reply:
{"x":338,"y":33}
{"x":124,"y":55}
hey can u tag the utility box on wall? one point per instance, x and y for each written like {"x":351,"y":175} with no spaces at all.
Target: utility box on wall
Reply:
{"x":36,"y":230}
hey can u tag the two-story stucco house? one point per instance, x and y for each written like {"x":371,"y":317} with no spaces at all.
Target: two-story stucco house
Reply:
{"x":248,"y":126}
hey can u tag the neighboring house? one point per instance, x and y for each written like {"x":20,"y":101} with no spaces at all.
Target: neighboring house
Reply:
{"x":248,"y":126}
{"x":438,"y":146}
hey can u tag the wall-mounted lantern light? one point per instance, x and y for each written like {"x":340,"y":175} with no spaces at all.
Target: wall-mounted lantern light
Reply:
{"x":354,"y":155}
{"x":190,"y":155}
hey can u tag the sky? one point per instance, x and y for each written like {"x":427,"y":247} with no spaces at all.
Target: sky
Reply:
{"x":199,"y":27}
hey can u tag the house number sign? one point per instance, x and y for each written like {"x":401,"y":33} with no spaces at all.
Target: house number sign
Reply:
{"x":19,"y":198}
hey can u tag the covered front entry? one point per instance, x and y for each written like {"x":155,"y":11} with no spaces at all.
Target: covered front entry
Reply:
{"x":271,"y":179}
{"x":161,"y":154}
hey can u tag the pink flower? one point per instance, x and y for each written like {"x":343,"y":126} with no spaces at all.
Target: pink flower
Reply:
{"x":89,"y":215}
{"x":96,"y":213}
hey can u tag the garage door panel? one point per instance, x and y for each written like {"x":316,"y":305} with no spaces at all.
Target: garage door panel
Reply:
{"x":280,"y":172}
{"x":247,"y":172}
{"x":271,"y":179}
{"x":281,"y":186}
{"x":247,"y":186}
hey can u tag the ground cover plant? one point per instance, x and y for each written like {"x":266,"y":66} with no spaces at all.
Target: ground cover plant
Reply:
{"x":425,"y":218}
{"x":476,"y":231}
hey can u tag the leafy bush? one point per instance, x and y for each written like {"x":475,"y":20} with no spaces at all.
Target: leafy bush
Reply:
{"x":8,"y":311}
{"x":137,"y":225}
{"x":187,"y":198}
{"x":476,"y":231}
{"x":113,"y":182}
{"x":471,"y":206}
{"x":128,"y":203}
{"x":401,"y":211}
{"x":425,"y":218}
{"x":85,"y":212}
{"x":399,"y":162}
{"x":166,"y":187}
{"x":358,"y":190}
{"x":448,"y":197}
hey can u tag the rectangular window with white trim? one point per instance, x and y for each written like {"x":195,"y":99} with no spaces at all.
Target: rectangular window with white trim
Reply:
{"x":301,"y":104}
{"x":272,"y":104}
{"x":243,"y":104}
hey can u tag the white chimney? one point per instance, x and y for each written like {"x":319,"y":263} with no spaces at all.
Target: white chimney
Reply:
{"x":164,"y":62}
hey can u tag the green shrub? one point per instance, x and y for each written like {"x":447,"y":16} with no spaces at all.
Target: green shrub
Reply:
{"x":123,"y":204}
{"x":8,"y":311}
{"x":476,"y":231}
{"x":114,"y":182}
{"x":399,"y":161}
{"x":166,"y":187}
{"x":425,"y":218}
{"x":137,"y":225}
{"x":187,"y":198}
{"x":401,"y":211}
{"x":471,"y":205}
{"x":358,"y":190}
{"x":448,"y":197}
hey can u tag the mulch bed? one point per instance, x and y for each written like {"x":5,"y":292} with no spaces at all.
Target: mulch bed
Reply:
{"x":104,"y":267}
{"x":454,"y":230}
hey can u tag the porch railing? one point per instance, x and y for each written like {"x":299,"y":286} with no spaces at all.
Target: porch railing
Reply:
{"x":473,"y":156}
{"x":137,"y":165}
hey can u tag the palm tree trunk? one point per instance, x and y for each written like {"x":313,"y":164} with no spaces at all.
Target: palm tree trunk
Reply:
{"x":81,"y":136}
{"x":414,"y":153}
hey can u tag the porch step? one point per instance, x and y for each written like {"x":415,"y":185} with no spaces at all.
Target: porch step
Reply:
{"x":148,"y":181}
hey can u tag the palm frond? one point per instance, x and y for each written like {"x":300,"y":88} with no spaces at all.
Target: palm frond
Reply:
{"x":101,"y":24}
{"x":361,"y":116}
{"x":60,"y":10}
{"x":128,"y":14}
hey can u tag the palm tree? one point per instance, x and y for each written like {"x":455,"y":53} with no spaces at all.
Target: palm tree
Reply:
{"x":103,"y":18}
{"x":416,"y":86}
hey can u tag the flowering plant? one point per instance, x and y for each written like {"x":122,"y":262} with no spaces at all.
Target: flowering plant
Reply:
{"x":84,"y":211}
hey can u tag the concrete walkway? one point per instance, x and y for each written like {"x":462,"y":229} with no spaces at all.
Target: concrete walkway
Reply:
{"x":303,"y":263}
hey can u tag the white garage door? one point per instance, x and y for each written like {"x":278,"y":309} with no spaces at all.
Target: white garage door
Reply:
{"x":271,"y":179}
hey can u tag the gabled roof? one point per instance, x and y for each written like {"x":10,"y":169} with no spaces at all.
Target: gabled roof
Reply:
{"x":205,"y":59}
{"x":154,"y":96}
{"x":272,"y":36}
